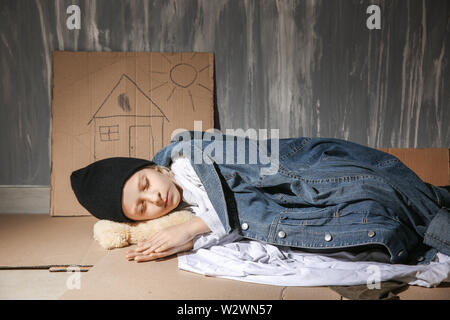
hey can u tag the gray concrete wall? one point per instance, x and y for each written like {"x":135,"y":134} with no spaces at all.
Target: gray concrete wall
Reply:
{"x":307,"y":68}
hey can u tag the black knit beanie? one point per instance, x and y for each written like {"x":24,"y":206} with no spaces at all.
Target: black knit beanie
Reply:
{"x":98,"y":186}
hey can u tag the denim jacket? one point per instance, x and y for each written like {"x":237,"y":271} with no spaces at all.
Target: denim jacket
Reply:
{"x":325,"y":193}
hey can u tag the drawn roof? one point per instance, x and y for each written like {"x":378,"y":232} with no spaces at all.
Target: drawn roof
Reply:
{"x":122,"y":106}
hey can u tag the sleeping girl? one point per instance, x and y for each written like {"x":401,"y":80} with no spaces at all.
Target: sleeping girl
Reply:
{"x":328,"y":194}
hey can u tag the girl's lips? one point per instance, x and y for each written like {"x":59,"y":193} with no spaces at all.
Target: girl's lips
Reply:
{"x":167,"y":199}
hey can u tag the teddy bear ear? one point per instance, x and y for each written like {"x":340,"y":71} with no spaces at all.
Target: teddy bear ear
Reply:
{"x":111,"y":234}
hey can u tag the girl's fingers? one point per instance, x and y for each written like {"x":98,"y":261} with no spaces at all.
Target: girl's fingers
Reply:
{"x":149,"y":240}
{"x":156,"y":255}
{"x":144,"y":246}
{"x":140,"y":249}
{"x":155,"y":247}
{"x":148,"y":243}
{"x":132,"y":255}
{"x":157,"y":244}
{"x":153,"y":256}
{"x":162,"y":247}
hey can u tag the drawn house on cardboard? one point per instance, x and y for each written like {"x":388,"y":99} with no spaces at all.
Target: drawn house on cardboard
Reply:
{"x":128,"y":123}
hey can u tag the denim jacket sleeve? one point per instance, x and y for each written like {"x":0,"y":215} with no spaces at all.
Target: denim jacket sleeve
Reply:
{"x":437,"y":234}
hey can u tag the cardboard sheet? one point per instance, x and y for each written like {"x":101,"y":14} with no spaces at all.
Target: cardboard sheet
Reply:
{"x":114,"y":277}
{"x":128,"y":104}
{"x":38,"y":240}
{"x":432,"y":165}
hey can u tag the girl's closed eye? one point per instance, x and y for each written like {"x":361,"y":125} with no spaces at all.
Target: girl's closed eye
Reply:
{"x":146,"y":183}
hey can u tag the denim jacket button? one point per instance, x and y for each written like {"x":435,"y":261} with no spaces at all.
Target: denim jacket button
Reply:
{"x":328,"y":236}
{"x":282,"y":234}
{"x":244,"y":226}
{"x":371,"y":234}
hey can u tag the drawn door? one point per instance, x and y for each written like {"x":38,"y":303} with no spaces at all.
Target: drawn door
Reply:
{"x":141,"y":142}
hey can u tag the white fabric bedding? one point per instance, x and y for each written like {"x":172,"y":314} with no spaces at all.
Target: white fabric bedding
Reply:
{"x":253,"y":261}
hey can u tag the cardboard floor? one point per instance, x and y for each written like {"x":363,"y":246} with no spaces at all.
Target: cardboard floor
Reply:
{"x":40,"y":240}
{"x":117,"y":278}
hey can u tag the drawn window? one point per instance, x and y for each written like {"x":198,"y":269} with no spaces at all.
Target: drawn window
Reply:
{"x":109,"y":133}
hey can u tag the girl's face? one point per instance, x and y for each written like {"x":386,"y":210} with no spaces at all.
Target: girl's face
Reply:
{"x":149,"y":194}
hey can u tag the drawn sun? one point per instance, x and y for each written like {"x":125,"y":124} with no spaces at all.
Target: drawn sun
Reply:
{"x":187,"y":77}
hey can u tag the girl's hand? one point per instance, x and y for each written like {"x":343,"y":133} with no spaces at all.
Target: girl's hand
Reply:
{"x":170,"y":237}
{"x":142,"y":256}
{"x":169,"y":241}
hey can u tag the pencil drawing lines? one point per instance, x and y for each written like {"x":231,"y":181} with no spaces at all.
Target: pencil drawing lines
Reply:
{"x":158,"y":72}
{"x":183,"y":79}
{"x":134,"y":118}
{"x":158,"y":86}
{"x":200,"y":85}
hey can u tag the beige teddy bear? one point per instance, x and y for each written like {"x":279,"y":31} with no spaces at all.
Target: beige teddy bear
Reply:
{"x":110,"y":234}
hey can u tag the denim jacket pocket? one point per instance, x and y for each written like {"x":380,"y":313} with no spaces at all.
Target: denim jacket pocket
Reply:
{"x":338,"y":215}
{"x":308,"y":216}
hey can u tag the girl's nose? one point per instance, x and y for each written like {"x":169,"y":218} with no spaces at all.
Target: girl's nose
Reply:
{"x":155,"y":198}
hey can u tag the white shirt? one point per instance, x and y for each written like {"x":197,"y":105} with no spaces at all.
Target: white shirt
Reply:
{"x":234,"y":257}
{"x":194,"y":194}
